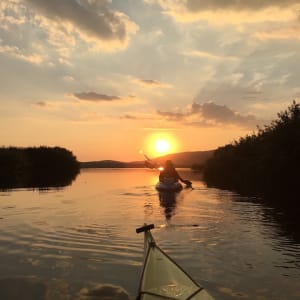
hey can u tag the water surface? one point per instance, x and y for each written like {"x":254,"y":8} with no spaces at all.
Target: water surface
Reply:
{"x":63,"y":243}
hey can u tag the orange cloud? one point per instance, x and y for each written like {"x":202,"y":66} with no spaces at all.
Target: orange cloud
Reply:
{"x":232,"y":11}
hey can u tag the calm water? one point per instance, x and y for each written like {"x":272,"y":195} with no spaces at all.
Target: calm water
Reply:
{"x":65,"y":244}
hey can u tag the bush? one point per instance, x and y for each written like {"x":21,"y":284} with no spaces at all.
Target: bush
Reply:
{"x":37,"y":167}
{"x":263,"y":164}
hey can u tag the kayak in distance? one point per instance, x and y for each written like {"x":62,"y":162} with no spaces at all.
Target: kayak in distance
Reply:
{"x":162,"y":277}
{"x":172,"y":186}
{"x":169,"y":186}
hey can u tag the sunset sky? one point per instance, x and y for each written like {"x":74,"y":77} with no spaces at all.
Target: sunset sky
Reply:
{"x":106,"y":79}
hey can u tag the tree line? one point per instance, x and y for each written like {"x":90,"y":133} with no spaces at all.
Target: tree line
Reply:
{"x":37,"y":167}
{"x":265,"y":163}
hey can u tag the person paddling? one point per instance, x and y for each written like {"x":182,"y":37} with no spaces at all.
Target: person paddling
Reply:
{"x":170,"y":175}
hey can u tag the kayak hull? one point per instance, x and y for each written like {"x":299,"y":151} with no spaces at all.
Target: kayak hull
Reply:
{"x":168,"y":187}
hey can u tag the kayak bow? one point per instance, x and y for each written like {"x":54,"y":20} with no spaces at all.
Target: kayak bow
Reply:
{"x":163,"y":278}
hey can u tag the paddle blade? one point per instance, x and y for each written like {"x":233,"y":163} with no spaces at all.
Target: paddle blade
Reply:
{"x":187,"y":183}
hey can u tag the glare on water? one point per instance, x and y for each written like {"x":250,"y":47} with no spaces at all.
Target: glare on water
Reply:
{"x":69,"y":242}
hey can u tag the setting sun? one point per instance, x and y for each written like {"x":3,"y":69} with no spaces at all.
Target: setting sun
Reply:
{"x":162,"y":146}
{"x":158,"y":144}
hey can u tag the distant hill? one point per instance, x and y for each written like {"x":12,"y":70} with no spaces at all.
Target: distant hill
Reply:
{"x":187,"y":159}
{"x":112,"y":164}
{"x":181,"y":160}
{"x":103,"y":164}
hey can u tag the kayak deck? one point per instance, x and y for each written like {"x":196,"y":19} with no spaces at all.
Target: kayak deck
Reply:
{"x":163,"y":278}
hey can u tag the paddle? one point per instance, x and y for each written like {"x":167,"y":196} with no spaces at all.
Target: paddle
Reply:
{"x":150,"y":163}
{"x":187,"y":182}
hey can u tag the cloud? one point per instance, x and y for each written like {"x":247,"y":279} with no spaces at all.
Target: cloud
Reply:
{"x":95,"y":97}
{"x":196,"y":5}
{"x":291,"y":32}
{"x":17,"y":53}
{"x":172,"y":116}
{"x":230,"y":11}
{"x":49,"y":32}
{"x":150,"y":82}
{"x":92,"y":20}
{"x":207,"y":55}
{"x":221,"y":114}
{"x":140,"y":116}
{"x":52,"y":105}
{"x":68,"y":78}
{"x":36,"y":30}
{"x":128,"y":117}
{"x":153,"y":83}
{"x":41,"y":103}
{"x":237,"y":89}
{"x":210,"y":114}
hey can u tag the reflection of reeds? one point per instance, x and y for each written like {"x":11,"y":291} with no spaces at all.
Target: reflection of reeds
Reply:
{"x":37,"y":167}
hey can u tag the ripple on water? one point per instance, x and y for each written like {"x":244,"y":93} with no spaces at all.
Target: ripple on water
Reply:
{"x":34,"y":288}
{"x":91,"y":242}
{"x":222,"y":240}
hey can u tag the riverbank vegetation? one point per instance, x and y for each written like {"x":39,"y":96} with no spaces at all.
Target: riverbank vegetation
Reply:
{"x":37,"y":167}
{"x":265,"y":164}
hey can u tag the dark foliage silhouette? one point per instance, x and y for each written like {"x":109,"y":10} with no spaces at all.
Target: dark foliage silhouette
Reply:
{"x":265,"y":163}
{"x":37,"y":167}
